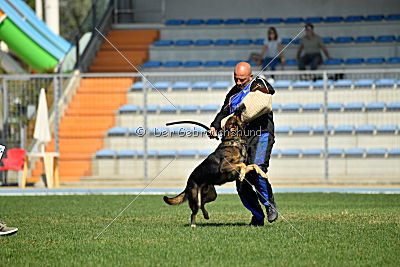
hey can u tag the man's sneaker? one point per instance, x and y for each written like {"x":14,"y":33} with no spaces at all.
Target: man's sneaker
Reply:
{"x":255,"y":222}
{"x":5,"y":230}
{"x":272,"y":212}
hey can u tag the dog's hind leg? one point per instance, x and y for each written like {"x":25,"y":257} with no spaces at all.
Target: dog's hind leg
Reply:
{"x":194,"y":204}
{"x":208,"y":194}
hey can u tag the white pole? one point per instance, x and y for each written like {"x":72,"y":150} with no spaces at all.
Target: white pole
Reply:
{"x":52,"y":15}
{"x":39,"y":9}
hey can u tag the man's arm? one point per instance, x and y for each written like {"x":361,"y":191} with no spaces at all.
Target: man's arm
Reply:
{"x":299,"y":51}
{"x":325,"y":51}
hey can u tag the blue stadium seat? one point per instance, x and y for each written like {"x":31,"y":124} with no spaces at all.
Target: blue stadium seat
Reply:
{"x":375,"y":106}
{"x":151,"y":64}
{"x":194,"y":22}
{"x":302,"y":129}
{"x":162,"y":85}
{"x":375,"y":60}
{"x":320,"y":83}
{"x":394,"y":152}
{"x":187,"y":153}
{"x":291,"y":107}
{"x":163,"y":43}
{"x":313,"y":152}
{"x":180,"y":85}
{"x":205,"y":153}
{"x":203,"y":42}
{"x":313,"y":20}
{"x":393,"y":60}
{"x":302,"y":84}
{"x":344,"y":129}
{"x":231,"y":63}
{"x":393,"y":106}
{"x":183,"y":42}
{"x":333,"y":19}
{"x":385,"y":83}
{"x":291,"y":152}
{"x":273,"y":20}
{"x":365,"y":129}
{"x":137,"y":86}
{"x":374,"y":18}
{"x":333,"y":61}
{"x":286,"y":40}
{"x":376,"y":152}
{"x":174,"y":22}
{"x":169,"y":108}
{"x":327,"y":40}
{"x":353,"y":61}
{"x":214,"y":22}
{"x":259,"y":41}
{"x":392,"y":17}
{"x":336,"y":152}
{"x":387,"y":129}
{"x":105,"y":153}
{"x":167,"y":153}
{"x":212,"y":64}
{"x":223,"y":42}
{"x":343,"y":39}
{"x":283,"y":129}
{"x":293,"y":20}
{"x":321,"y":128}
{"x":364,"y":39}
{"x":117,"y":131}
{"x":128,"y":108}
{"x":150,"y":153}
{"x":353,"y":19}
{"x":200,"y":85}
{"x":354,"y":152}
{"x":153,"y":108}
{"x":126,"y":153}
{"x":335,"y":106}
{"x":233,"y":21}
{"x":385,"y":38}
{"x":276,"y":107}
{"x":275,"y":152}
{"x":210,"y":107}
{"x":192,"y":64}
{"x":190,"y":108}
{"x":172,"y":64}
{"x":179,"y":130}
{"x":242,"y":42}
{"x":282,"y":84}
{"x":364,"y":83}
{"x":312,"y":107}
{"x":343,"y":83}
{"x":253,"y":21}
{"x":291,"y":62}
{"x":221,"y":85}
{"x":354,"y":106}
{"x":296,"y":41}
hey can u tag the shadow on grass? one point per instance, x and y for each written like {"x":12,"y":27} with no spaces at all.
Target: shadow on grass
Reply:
{"x":217,"y":224}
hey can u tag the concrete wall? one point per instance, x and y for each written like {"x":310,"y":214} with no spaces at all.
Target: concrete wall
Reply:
{"x":178,"y":9}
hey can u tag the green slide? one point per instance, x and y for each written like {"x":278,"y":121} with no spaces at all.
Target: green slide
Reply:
{"x":24,"y":47}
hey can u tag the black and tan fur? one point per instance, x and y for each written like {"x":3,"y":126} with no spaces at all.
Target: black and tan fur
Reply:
{"x":225,"y":164}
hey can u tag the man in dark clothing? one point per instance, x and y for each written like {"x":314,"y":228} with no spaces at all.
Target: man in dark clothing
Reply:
{"x":259,"y":148}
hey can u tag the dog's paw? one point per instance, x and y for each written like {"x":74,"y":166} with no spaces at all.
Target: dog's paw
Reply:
{"x":193,"y":225}
{"x":206,"y":216}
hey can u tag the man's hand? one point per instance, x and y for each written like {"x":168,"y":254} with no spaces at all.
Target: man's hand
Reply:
{"x":212,"y":133}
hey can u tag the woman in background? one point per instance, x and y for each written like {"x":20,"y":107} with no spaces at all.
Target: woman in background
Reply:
{"x":272,"y":47}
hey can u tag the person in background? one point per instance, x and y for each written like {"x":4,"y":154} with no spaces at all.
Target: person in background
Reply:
{"x":272,"y":48}
{"x":312,"y":44}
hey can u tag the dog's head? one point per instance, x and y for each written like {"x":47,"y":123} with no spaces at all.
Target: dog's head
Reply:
{"x":234,"y":126}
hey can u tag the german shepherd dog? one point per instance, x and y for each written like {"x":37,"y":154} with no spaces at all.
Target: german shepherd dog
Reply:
{"x":225,"y":164}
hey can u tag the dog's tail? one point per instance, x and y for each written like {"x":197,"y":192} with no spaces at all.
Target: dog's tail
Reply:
{"x":182,"y":197}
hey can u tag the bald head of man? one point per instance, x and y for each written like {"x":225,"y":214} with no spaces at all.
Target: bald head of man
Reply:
{"x":242,"y":74}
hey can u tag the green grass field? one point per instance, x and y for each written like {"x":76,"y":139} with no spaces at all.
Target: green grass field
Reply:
{"x":339,"y":229}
